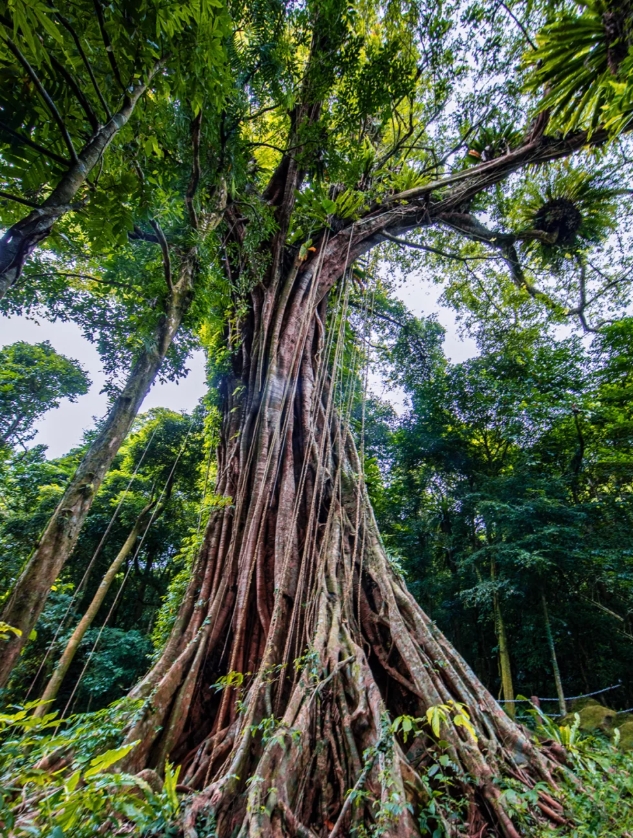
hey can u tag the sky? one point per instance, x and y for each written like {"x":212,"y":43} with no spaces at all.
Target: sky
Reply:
{"x":421,"y":297}
{"x":62,"y":428}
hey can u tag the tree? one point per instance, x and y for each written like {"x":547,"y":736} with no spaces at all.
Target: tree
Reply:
{"x":152,"y":510}
{"x":166,"y":453}
{"x":297,"y":644}
{"x":193,"y":211}
{"x":33,"y":380}
{"x":509,"y":462}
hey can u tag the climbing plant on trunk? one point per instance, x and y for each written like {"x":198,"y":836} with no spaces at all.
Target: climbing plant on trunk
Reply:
{"x":297,"y":644}
{"x":298,"y":663}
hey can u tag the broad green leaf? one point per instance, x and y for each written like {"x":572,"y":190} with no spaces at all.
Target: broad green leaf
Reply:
{"x":106,"y":760}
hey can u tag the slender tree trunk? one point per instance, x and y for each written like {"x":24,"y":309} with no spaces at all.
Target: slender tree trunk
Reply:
{"x":505,"y":667}
{"x":68,"y":655}
{"x":140,"y":597}
{"x":562,"y":706}
{"x":504,"y":661}
{"x":296,"y":643}
{"x":22,"y":238}
{"x":29,"y":595}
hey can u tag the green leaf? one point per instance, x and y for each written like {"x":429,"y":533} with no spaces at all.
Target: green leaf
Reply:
{"x":106,"y":760}
{"x":171,"y":781}
{"x":71,"y":783}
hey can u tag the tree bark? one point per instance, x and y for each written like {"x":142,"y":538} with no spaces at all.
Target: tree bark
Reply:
{"x":296,"y":643}
{"x":68,"y":655}
{"x":505,"y":665}
{"x":17,"y":244}
{"x":30,"y":593}
{"x":562,"y":706}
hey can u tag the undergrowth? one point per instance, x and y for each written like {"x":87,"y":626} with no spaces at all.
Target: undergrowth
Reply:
{"x":597,"y":790}
{"x":59,"y":778}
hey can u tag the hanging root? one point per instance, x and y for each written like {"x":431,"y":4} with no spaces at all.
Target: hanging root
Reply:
{"x":332,"y":762}
{"x":303,"y":690}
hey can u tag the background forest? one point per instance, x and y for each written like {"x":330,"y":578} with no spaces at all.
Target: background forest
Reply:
{"x":504,"y":485}
{"x":256,"y":609}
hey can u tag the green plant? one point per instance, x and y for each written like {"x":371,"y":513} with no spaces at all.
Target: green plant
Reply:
{"x":59,"y":777}
{"x":574,"y":208}
{"x":436,"y":716}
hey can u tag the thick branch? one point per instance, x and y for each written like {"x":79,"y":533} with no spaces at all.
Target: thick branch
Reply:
{"x":165,"y":250}
{"x":540,"y":150}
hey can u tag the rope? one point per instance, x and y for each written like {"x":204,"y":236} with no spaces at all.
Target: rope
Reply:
{"x":130,"y":566}
{"x":567,"y":698}
{"x":79,"y":587}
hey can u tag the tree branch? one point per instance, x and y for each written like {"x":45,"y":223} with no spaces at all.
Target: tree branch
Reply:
{"x":430,"y":249}
{"x":87,"y":277}
{"x":47,"y":99}
{"x":18,"y":200}
{"x":66,"y":24}
{"x":526,"y":34}
{"x":108,"y":44}
{"x":165,"y":249}
{"x":194,"y":180}
{"x":541,"y":149}
{"x":140,"y":235}
{"x":85,"y":104}
{"x":36,"y":146}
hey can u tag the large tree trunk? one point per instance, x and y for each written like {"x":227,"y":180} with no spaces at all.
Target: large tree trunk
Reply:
{"x":296,"y":643}
{"x":24,"y":606}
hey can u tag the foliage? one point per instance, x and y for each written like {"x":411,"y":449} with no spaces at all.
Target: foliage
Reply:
{"x":83,"y":792}
{"x":583,"y":63}
{"x":577,"y":208}
{"x":508,"y":480}
{"x":267,"y":130}
{"x":436,"y":716}
{"x":597,"y":794}
{"x":166,"y":457}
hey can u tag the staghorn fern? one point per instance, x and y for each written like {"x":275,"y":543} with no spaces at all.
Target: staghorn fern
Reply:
{"x":575,"y":206}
